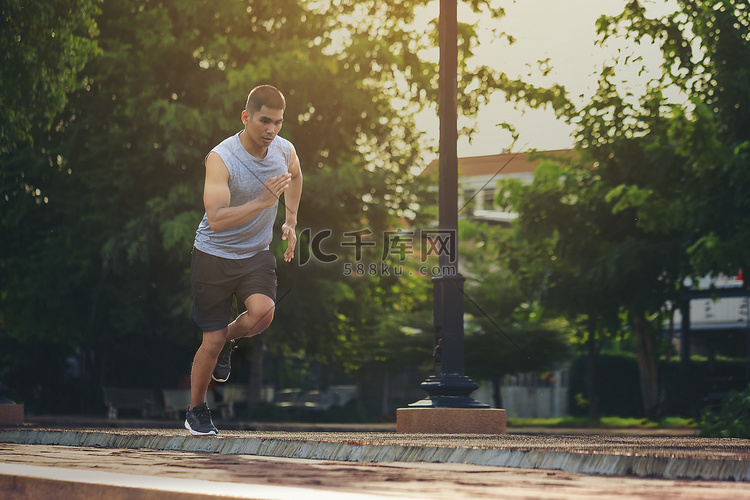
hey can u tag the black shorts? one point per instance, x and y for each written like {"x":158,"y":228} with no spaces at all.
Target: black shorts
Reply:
{"x":214,"y":280}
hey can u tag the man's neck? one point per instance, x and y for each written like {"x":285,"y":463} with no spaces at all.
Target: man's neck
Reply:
{"x":252,"y":148}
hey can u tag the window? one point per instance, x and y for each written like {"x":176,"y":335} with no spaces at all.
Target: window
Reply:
{"x":468,"y":202}
{"x":488,"y":199}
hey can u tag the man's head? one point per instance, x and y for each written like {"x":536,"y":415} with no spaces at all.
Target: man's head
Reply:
{"x":265,"y":95}
{"x":263,"y":116}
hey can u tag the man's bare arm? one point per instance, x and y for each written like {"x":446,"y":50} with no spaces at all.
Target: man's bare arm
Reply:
{"x":291,"y":201}
{"x":217,"y":197}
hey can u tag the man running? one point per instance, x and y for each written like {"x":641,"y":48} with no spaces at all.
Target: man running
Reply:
{"x":245,"y":175}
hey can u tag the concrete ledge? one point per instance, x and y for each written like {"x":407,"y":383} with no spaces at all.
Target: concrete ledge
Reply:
{"x":21,"y":482}
{"x":11,"y":414}
{"x":450,"y":421}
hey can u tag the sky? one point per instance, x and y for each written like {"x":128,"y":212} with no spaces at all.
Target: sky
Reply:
{"x":563,"y":31}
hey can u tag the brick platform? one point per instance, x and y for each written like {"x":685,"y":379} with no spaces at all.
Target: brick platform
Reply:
{"x":11,"y":414}
{"x":450,"y":421}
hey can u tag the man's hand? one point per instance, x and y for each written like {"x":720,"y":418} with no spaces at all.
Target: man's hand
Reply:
{"x":288,"y":233}
{"x":273,"y":188}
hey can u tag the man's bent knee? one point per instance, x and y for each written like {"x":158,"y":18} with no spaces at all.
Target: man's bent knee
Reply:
{"x":260,"y":311}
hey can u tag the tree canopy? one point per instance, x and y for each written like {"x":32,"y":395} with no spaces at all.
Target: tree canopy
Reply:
{"x":658,"y":192}
{"x":102,"y":206}
{"x":43,"y":46}
{"x":109,"y":110}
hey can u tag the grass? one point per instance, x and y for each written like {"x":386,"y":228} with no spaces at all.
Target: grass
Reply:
{"x":603,"y":423}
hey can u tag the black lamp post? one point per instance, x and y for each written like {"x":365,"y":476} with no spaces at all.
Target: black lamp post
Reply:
{"x":448,"y":387}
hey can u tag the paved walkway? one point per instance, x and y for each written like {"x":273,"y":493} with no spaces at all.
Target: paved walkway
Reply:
{"x":83,"y":473}
{"x":114,"y":460}
{"x":684,"y":457}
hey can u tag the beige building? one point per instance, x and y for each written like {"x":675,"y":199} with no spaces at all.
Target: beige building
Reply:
{"x":478,"y":177}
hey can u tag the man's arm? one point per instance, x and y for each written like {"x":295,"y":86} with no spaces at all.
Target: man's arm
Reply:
{"x":291,"y":201}
{"x":217,"y":197}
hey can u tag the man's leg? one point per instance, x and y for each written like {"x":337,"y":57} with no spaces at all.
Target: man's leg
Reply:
{"x":255,"y":320}
{"x":203,"y":365}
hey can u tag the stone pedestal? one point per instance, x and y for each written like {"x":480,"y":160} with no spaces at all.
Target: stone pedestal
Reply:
{"x":450,"y":421}
{"x":11,"y":414}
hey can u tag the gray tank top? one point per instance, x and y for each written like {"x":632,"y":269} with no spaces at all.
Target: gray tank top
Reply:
{"x":247,"y":175}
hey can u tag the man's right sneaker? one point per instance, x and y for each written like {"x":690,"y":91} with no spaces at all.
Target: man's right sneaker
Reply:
{"x":198,"y":421}
{"x":224,"y":364}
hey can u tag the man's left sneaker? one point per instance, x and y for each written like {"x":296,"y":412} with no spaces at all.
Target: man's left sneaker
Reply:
{"x":224,"y":364}
{"x":198,"y":421}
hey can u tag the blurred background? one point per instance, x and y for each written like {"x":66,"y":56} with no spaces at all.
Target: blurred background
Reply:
{"x":603,"y":180}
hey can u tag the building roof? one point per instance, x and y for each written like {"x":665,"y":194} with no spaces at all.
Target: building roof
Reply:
{"x":509,"y":163}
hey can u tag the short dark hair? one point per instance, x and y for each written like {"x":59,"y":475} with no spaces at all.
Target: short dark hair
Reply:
{"x":265,"y":95}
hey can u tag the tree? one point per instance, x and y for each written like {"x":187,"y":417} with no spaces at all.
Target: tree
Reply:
{"x":659,"y":190}
{"x":570,"y":273}
{"x":705,"y":139}
{"x":507,"y":330}
{"x":605,"y":258}
{"x":706,"y":49}
{"x":43,"y":46}
{"x":106,"y":201}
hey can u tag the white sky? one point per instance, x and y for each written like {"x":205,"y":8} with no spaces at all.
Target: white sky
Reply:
{"x":562,"y":30}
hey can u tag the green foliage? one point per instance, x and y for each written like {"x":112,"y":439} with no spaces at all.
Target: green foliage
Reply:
{"x":493,"y":353}
{"x":686,"y":395}
{"x":617,"y":389}
{"x":505,"y":333}
{"x":602,"y":423}
{"x":102,"y":206}
{"x":267,"y":412}
{"x":43,"y":47}
{"x":103,"y":203}
{"x":706,"y":56}
{"x":658,"y":191}
{"x":731,"y":421}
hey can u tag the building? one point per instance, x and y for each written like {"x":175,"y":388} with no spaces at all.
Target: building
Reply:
{"x":478,"y":177}
{"x":719,"y":319}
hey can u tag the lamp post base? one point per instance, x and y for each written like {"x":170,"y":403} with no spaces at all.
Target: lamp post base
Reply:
{"x":448,"y":391}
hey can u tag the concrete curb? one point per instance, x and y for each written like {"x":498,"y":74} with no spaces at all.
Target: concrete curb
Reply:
{"x":352,"y":451}
{"x":24,"y":481}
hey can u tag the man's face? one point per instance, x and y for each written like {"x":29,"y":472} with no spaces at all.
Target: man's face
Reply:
{"x":263,"y":126}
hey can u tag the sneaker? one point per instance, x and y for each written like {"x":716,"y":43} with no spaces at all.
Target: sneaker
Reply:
{"x":224,"y":363}
{"x":198,"y":421}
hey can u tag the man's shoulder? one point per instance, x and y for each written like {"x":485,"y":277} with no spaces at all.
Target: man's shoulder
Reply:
{"x":283,"y":144}
{"x":228,"y":143}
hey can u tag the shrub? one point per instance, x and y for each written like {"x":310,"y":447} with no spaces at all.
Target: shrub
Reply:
{"x":732,"y":420}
